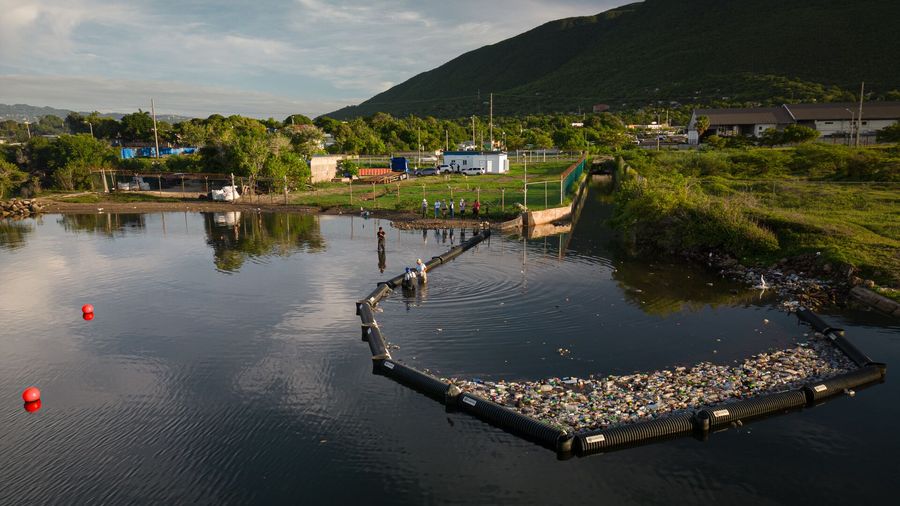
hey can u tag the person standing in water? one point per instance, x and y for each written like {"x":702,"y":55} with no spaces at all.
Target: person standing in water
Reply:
{"x":381,"y":239}
{"x":421,"y":270}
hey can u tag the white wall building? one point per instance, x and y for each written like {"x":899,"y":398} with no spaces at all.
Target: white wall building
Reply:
{"x":831,"y":120}
{"x":494,"y":162}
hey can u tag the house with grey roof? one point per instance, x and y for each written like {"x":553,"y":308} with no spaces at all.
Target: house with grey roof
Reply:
{"x":831,"y":120}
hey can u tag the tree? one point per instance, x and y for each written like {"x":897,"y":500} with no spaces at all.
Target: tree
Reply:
{"x":10,"y":178}
{"x":889,"y":134}
{"x":799,"y":134}
{"x":69,"y":160}
{"x":297,"y":119}
{"x":250,"y":150}
{"x":49,"y":125}
{"x":702,"y":125}
{"x":327,"y":124}
{"x":306,"y":139}
{"x":137,"y":126}
{"x":771,"y":137}
{"x":714,"y":141}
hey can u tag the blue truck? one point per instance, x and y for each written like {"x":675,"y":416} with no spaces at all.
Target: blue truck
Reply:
{"x":400,"y":164}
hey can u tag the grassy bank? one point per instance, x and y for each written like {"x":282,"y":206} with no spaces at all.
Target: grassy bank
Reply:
{"x":500,"y":195}
{"x":760,"y":220}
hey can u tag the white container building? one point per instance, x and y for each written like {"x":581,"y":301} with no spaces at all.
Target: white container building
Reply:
{"x":493,"y":162}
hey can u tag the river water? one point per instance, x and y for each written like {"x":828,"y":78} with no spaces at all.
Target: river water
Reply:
{"x":224,"y":366}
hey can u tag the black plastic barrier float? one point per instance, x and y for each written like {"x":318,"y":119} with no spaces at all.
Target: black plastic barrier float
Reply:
{"x":836,"y":336}
{"x":626,"y":436}
{"x":421,"y":382}
{"x":699,"y":423}
{"x":724,"y":414}
{"x":838,"y":384}
{"x":533,"y":430}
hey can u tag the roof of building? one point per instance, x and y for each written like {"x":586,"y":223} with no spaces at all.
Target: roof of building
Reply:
{"x":745,"y":116}
{"x":473,"y":153}
{"x":792,"y":113}
{"x":844,"y":111}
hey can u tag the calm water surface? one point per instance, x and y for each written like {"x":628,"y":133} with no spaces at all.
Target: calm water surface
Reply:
{"x":224,"y":366}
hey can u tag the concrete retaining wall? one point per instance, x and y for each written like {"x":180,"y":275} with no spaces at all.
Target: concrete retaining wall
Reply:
{"x":556,"y":214}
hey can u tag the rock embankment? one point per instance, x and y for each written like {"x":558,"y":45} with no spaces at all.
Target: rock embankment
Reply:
{"x":20,"y":208}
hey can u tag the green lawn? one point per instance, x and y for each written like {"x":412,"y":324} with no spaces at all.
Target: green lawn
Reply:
{"x":499,"y":194}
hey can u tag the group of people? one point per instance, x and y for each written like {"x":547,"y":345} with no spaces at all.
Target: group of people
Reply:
{"x":441,"y":208}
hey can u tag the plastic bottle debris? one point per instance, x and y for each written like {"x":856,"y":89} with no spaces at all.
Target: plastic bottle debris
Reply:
{"x":599,"y":402}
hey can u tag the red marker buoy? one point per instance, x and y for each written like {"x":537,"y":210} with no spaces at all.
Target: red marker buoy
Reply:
{"x":33,"y":406}
{"x":88,"y":316}
{"x":31,"y":394}
{"x":87,"y":308}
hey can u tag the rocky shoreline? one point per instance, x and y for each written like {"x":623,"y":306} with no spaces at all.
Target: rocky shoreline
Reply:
{"x":17,"y":208}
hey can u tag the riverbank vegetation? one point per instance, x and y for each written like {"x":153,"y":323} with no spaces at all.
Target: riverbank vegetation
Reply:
{"x":837,"y":206}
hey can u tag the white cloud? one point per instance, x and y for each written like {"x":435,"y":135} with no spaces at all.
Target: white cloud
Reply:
{"x":120,"y":95}
{"x":289,"y":52}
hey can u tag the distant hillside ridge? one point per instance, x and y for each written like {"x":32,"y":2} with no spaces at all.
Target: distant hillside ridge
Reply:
{"x":21,"y":112}
{"x":689,"y":51}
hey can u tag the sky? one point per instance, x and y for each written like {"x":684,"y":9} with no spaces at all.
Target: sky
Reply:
{"x":261,"y":58}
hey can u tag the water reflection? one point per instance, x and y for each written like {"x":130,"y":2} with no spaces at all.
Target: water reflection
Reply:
{"x":13,"y":233}
{"x":236,"y":237}
{"x":108,"y":224}
{"x":382,"y":260}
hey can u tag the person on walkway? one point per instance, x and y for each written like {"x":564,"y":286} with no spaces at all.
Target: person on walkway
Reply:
{"x":476,"y":207}
{"x":451,"y":209}
{"x":421,"y":270}
{"x":462,"y":208}
{"x":437,"y":208}
{"x":381,"y":235}
{"x":424,"y":208}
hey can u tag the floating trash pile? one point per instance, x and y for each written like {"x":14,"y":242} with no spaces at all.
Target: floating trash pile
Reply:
{"x":600,"y":402}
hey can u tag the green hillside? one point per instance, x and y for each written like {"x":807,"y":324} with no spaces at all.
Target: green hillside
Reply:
{"x":690,"y":51}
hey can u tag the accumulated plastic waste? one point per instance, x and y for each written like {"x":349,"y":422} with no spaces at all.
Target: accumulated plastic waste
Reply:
{"x":600,"y":402}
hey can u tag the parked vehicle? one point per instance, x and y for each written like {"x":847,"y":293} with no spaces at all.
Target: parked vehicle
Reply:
{"x":445,"y":169}
{"x":473,"y":171}
{"x":400,"y":164}
{"x":427,"y":171}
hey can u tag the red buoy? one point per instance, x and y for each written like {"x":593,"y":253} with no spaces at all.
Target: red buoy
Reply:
{"x":87,"y":308}
{"x":31,"y":394}
{"x":88,"y":316}
{"x":33,"y":406}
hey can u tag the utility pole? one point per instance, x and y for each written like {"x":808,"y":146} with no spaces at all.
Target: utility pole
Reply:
{"x":492,"y":122}
{"x":155,"y":132}
{"x":446,"y":140}
{"x":473,"y":132}
{"x":862,"y":94}
{"x":657,"y":130}
{"x":418,"y":145}
{"x":526,"y":180}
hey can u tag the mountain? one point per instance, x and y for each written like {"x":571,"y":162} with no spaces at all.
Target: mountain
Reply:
{"x":688,"y":51}
{"x":20,"y":112}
